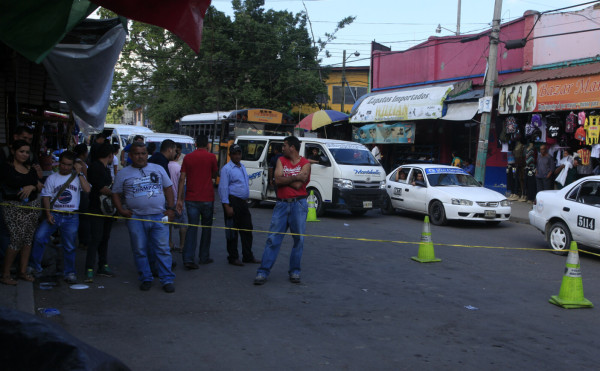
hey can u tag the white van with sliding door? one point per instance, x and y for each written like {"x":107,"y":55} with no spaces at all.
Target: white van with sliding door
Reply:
{"x":344,"y":175}
{"x":187,"y":142}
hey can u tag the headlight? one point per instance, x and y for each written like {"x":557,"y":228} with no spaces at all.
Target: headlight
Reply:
{"x":456,"y":201}
{"x":505,"y":203}
{"x":382,"y":184}
{"x":343,"y":183}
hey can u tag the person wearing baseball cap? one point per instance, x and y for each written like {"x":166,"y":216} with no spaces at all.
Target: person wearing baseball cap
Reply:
{"x":234,"y":190}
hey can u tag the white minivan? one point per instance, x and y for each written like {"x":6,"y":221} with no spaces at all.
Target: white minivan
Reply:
{"x":346,"y":176}
{"x":186,"y":141}
{"x":119,"y":134}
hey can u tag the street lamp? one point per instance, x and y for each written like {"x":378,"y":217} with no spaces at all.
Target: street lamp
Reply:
{"x":356,"y":54}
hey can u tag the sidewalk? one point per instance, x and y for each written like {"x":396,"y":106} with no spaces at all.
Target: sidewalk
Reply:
{"x":520,"y":211}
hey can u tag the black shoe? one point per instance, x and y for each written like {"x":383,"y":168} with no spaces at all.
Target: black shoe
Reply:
{"x":236,"y":262}
{"x":146,"y":285}
{"x":208,"y":261}
{"x":169,"y":288}
{"x":190,"y":266}
{"x":253,"y":261}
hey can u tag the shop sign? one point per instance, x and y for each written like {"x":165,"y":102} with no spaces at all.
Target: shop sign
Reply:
{"x":383,"y":133}
{"x":572,"y":93}
{"x":520,"y":98}
{"x":416,"y":104}
{"x":264,"y":115}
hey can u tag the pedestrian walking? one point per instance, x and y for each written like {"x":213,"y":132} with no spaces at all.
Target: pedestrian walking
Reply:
{"x":61,"y":192}
{"x":180,"y":218}
{"x":234,"y":190}
{"x":196,"y":189}
{"x":100,"y":227}
{"x":292,"y":174}
{"x":544,"y":170}
{"x":146,"y":188}
{"x":167,"y":152}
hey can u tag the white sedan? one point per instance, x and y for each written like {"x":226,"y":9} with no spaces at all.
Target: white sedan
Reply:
{"x":568,"y":214}
{"x":444,"y":193}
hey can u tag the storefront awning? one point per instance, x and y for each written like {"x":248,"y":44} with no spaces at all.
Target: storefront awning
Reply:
{"x":401,"y":105}
{"x":461,"y":111}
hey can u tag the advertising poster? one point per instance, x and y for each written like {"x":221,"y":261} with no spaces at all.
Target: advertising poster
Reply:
{"x":519,"y":98}
{"x":383,"y":133}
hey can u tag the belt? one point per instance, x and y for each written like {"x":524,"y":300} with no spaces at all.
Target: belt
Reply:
{"x":290,"y":200}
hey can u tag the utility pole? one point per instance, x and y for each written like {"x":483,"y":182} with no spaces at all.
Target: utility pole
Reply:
{"x":458,"y":20}
{"x":343,"y":79}
{"x":490,"y":79}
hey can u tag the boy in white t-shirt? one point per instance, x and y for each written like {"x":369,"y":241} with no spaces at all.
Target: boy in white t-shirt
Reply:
{"x":67,"y":223}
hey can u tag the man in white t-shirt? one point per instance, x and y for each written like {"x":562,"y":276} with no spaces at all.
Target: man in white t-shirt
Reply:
{"x":376,"y":152}
{"x":67,"y":223}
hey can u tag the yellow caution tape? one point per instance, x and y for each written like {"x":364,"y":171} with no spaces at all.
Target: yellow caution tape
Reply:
{"x":290,"y":233}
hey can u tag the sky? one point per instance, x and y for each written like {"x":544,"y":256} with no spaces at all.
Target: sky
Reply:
{"x":398,"y":24}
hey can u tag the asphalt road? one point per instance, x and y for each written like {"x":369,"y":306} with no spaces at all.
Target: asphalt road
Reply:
{"x":361,"y":304}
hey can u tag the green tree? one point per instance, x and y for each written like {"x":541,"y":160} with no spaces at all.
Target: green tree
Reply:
{"x":262,"y":58}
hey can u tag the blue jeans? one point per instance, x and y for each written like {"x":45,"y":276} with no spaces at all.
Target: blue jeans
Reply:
{"x":285,"y":214}
{"x":67,"y":224}
{"x":195,"y":211}
{"x":149,"y":238}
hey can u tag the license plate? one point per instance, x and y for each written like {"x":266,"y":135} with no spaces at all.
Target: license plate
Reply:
{"x":489,"y":214}
{"x":368,"y":204}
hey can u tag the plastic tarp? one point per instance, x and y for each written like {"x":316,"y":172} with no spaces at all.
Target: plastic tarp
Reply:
{"x":461,"y":111}
{"x":29,"y":342}
{"x":83,"y":74}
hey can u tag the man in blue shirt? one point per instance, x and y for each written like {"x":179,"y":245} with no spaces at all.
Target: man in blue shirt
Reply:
{"x":469,"y":167}
{"x":234,"y":190}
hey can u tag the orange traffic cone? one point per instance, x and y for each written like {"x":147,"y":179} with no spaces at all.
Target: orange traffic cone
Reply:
{"x":426,"y":253}
{"x":571,"y":289}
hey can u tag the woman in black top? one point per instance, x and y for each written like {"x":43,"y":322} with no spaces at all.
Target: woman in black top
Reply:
{"x":20,"y":188}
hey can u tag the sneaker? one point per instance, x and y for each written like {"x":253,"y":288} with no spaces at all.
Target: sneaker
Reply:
{"x":169,"y":288}
{"x":146,"y":285}
{"x":105,"y":271}
{"x":260,"y":280}
{"x":71,"y":278}
{"x":295,"y":278}
{"x":89,"y":276}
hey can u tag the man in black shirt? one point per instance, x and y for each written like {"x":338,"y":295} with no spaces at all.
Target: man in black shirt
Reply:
{"x":167,"y":152}
{"x":100,"y":179}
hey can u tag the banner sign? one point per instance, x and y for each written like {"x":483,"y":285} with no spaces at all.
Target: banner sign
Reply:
{"x":382,"y":133}
{"x":519,"y":98}
{"x":402,"y":105}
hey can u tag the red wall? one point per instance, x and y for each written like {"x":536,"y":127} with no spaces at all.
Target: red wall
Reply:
{"x":443,"y":58}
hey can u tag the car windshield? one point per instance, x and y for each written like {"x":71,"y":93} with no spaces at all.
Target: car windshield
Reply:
{"x":353,"y":156}
{"x":451,"y":178}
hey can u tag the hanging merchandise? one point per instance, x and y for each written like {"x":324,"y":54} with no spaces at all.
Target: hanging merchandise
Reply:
{"x":593,"y":130}
{"x":536,"y":120}
{"x":585,"y":155}
{"x":570,"y":124}
{"x":554,"y":128}
{"x":581,"y":118}
{"x":529,"y":128}
{"x":580,"y":134}
{"x":511,"y":125}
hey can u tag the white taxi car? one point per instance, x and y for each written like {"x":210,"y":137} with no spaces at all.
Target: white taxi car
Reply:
{"x":571,"y":213}
{"x":445,"y":193}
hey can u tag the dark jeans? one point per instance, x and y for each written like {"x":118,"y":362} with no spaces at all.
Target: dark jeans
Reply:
{"x":530,"y":183}
{"x":242,"y":219}
{"x":544,"y":184}
{"x":512,"y":185}
{"x":197,"y":211}
{"x":100,"y":228}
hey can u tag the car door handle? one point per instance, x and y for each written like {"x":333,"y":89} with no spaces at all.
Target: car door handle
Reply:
{"x":566,"y":209}
{"x":406,"y":190}
{"x":389,"y":186}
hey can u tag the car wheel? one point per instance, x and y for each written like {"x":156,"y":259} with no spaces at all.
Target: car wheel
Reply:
{"x":318,"y":201}
{"x":386,"y":208}
{"x":437,"y":214}
{"x":358,"y":212}
{"x":559,"y":237}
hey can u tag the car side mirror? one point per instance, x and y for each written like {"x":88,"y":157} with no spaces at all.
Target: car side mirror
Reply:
{"x":420,"y":183}
{"x":323,"y":160}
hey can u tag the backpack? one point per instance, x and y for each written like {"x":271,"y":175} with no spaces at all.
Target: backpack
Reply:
{"x":580,"y":134}
{"x":581,"y":117}
{"x":570,"y":124}
{"x":511,"y":125}
{"x":536,"y":120}
{"x":516,"y":136}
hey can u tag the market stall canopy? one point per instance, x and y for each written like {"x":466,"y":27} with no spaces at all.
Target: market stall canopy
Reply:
{"x":34,"y":27}
{"x":401,"y":105}
{"x":321,"y":118}
{"x":464,"y":107}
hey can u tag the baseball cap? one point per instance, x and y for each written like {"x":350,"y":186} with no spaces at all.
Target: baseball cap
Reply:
{"x":235,"y":148}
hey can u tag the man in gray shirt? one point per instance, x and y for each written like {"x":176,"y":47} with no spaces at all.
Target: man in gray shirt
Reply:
{"x":544,"y":170}
{"x":145,"y":188}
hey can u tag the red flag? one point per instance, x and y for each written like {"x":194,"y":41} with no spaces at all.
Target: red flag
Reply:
{"x":182,"y":17}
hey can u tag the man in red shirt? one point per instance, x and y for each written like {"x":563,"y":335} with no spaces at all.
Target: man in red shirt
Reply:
{"x":198,"y":170}
{"x":292,"y":174}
